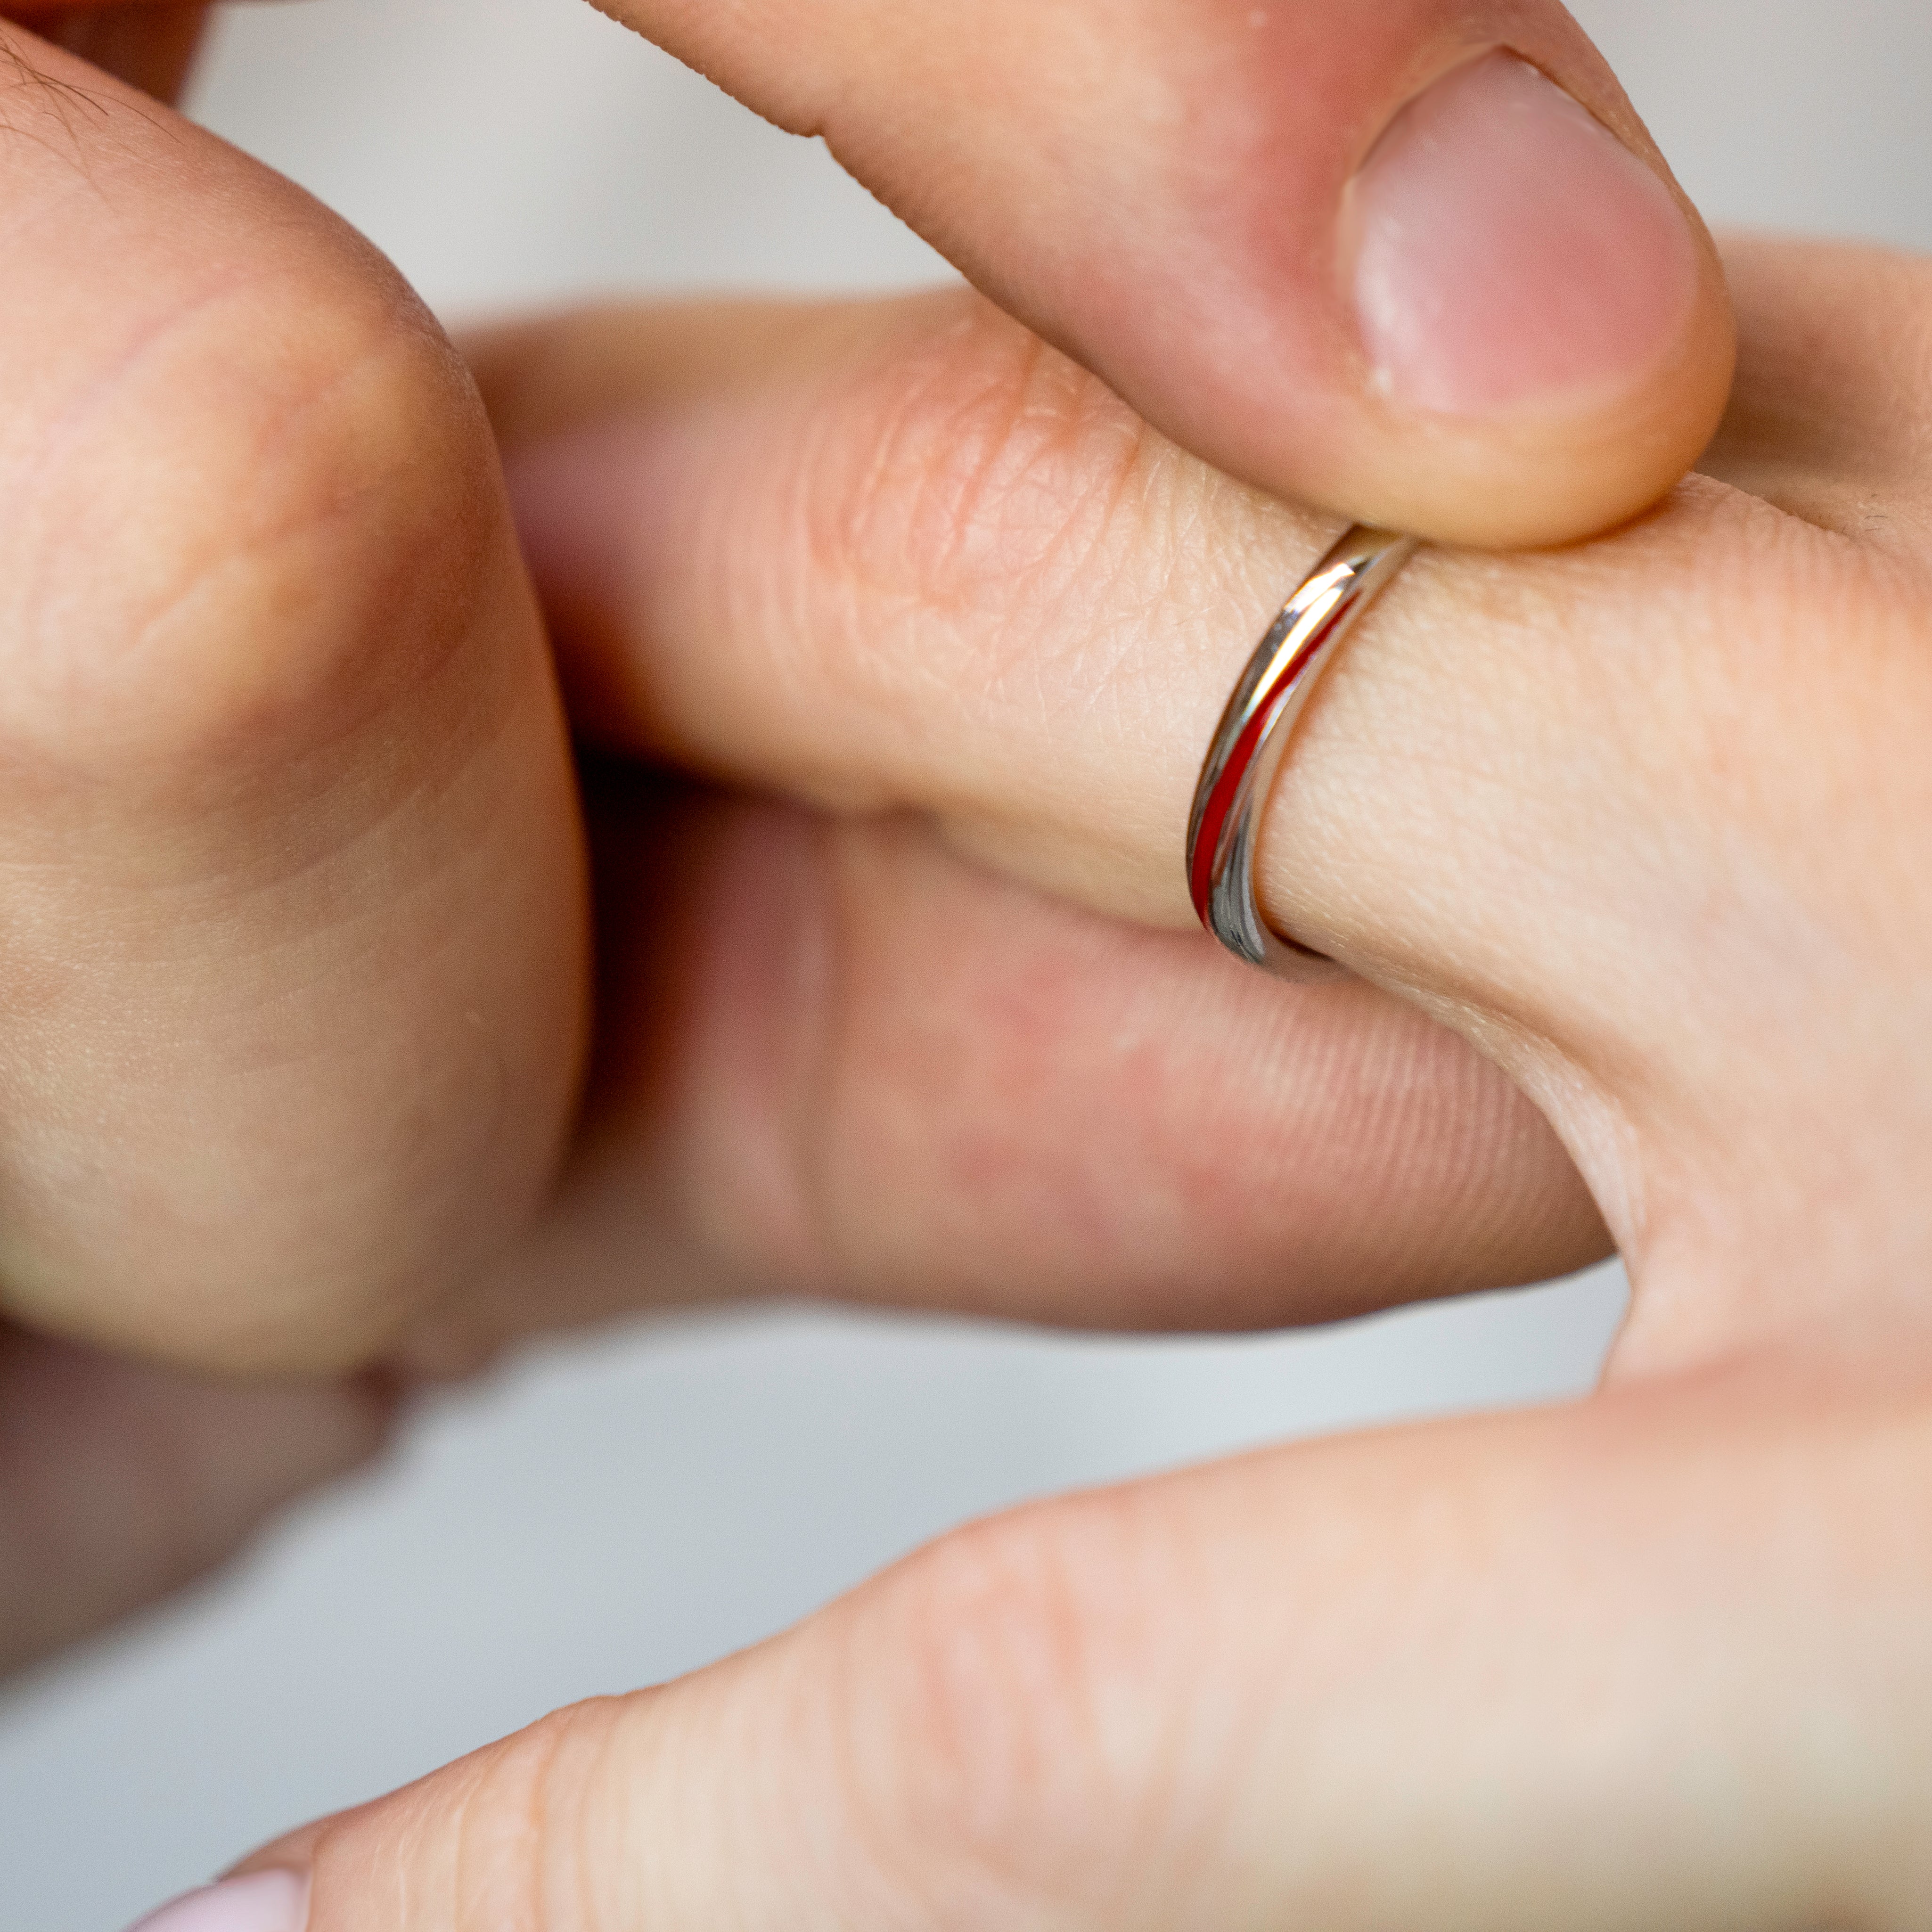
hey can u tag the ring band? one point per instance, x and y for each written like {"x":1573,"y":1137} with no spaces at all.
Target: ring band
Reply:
{"x":1247,"y":754}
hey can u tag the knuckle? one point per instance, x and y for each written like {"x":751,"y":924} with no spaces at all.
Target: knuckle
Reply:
{"x":508,"y":1850}
{"x":240,"y":530}
{"x":975,"y":428}
{"x":504,"y":1837}
{"x":967,"y":500}
{"x":1017,"y":1766}
{"x":251,"y":654}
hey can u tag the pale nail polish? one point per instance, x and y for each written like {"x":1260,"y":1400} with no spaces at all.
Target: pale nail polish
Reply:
{"x":270,"y":1901}
{"x":1511,"y":250}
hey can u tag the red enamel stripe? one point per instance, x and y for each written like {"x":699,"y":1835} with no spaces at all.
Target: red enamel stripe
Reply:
{"x":1220,"y":802}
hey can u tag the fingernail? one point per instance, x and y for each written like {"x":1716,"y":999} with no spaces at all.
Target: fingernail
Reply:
{"x":269,"y":1901}
{"x":1511,"y":250}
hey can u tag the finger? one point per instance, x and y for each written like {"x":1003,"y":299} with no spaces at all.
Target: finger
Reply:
{"x":1828,"y":417}
{"x":151,"y":47}
{"x":1623,"y":1667}
{"x":834,"y":1059}
{"x":1337,"y":250}
{"x":120,"y":1483}
{"x":293,"y":943}
{"x":909,"y":558}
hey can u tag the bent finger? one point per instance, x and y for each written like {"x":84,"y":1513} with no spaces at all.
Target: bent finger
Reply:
{"x":1417,"y":261}
{"x":293,"y":947}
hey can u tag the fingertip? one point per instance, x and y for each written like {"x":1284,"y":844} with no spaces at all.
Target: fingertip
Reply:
{"x":266,"y":1901}
{"x":1536,"y":477}
{"x":1442,"y":286}
{"x":1510,"y":251}
{"x":1545,"y":328}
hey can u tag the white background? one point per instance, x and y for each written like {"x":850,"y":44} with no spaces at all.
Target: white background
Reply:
{"x":615,"y":1513}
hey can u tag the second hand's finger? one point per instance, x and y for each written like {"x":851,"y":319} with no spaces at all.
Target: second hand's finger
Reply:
{"x":293,"y":948}
{"x":1348,"y":252}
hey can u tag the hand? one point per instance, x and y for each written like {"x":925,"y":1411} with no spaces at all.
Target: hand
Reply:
{"x":294,"y":953}
{"x":1643,"y":818}
{"x":296,"y":946}
{"x":1447,"y":1674}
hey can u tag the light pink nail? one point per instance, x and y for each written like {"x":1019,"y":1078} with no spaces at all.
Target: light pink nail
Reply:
{"x":270,"y":1901}
{"x":1510,"y":250}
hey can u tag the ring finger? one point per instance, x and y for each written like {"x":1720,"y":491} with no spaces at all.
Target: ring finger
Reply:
{"x":904,"y":557}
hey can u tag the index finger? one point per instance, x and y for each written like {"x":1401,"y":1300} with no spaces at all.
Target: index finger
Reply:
{"x":1417,"y":261}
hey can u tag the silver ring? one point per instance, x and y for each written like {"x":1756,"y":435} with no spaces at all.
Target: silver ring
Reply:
{"x":1242,"y":763}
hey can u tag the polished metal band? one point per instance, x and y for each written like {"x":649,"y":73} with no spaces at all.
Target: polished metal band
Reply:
{"x":1239,"y":776}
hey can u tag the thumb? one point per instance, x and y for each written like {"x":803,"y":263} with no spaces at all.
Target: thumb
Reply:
{"x":1414,"y":261}
{"x":1618,"y":1666}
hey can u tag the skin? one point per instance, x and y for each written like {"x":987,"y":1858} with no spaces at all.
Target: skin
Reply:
{"x":295,"y":960}
{"x":1656,"y":1661}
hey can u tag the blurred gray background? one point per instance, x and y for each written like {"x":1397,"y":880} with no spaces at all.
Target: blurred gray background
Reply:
{"x":615,"y":1513}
